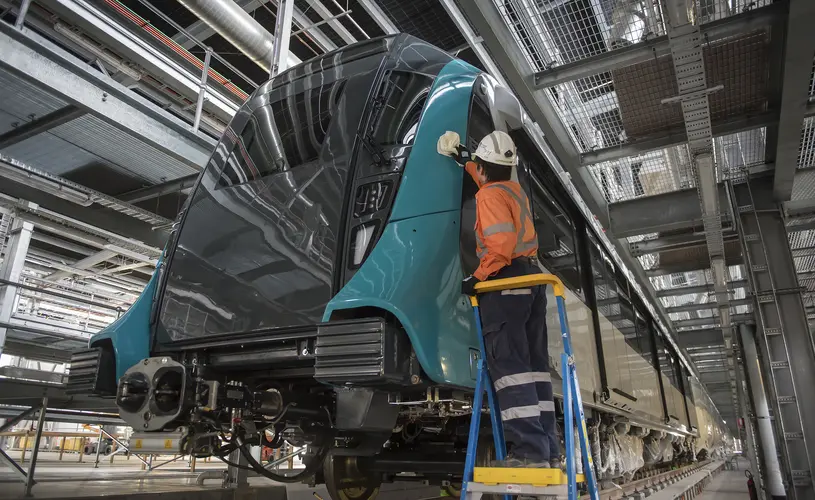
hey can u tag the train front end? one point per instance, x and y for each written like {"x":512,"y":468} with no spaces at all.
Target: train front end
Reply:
{"x":304,"y":290}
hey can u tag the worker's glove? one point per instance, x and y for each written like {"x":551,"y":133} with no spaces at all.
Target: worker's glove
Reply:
{"x":468,"y":285}
{"x":449,"y":144}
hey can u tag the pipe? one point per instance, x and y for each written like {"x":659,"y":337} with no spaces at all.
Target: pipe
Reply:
{"x":209,"y":474}
{"x":239,"y":28}
{"x":775,"y":484}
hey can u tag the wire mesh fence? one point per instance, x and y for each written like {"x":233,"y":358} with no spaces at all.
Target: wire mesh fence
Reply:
{"x":647,"y":174}
{"x":806,"y":152}
{"x":734,"y":152}
{"x":705,"y":11}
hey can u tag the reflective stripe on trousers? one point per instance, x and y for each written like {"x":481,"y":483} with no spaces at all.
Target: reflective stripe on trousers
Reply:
{"x":516,"y":343}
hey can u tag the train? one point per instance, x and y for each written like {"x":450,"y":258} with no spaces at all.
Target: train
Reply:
{"x":310,"y":290}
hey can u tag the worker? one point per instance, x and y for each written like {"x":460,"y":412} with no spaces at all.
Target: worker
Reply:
{"x":514,"y":321}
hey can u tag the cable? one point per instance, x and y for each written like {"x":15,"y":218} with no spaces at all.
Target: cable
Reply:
{"x":233,"y":464}
{"x":310,"y":469}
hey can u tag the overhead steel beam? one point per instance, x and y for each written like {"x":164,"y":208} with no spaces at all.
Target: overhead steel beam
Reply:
{"x":102,"y":218}
{"x":701,"y":338}
{"x":335,"y":24}
{"x":33,"y":351}
{"x":658,"y":213}
{"x":800,"y":45}
{"x":684,"y":290}
{"x":40,"y":125}
{"x":672,"y":242}
{"x":677,"y":136}
{"x":696,"y":262}
{"x":99,"y":24}
{"x":712,"y":321}
{"x":29,"y":393}
{"x":86,"y":263}
{"x":78,"y":417}
{"x":707,"y":306}
{"x":201,"y":30}
{"x":659,"y":46}
{"x":40,"y":63}
{"x":378,"y":15}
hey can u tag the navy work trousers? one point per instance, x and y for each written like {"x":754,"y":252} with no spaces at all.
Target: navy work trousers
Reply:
{"x":514,"y":327}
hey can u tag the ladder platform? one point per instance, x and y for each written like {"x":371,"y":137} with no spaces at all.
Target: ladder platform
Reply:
{"x":475,"y":491}
{"x":521,"y":476}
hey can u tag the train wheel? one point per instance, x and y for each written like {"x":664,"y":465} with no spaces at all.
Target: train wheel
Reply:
{"x":345,"y":481}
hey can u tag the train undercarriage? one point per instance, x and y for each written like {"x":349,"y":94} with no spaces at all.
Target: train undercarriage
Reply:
{"x":358,"y":405}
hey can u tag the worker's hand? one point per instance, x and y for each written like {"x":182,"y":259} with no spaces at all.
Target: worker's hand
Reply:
{"x":468,"y":285}
{"x":449,"y":144}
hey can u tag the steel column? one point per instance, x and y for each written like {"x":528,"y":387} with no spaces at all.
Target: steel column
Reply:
{"x":29,"y":480}
{"x":236,"y":477}
{"x":202,"y":92}
{"x":788,"y":354}
{"x":18,"y":23}
{"x":774,"y":485}
{"x":11,"y":269}
{"x":282,"y":37}
{"x":746,"y":431}
{"x":800,"y":45}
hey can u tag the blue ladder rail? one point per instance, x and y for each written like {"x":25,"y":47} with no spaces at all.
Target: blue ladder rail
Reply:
{"x":572,"y":402}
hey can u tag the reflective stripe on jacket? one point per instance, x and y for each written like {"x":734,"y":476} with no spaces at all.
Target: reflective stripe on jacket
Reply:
{"x":504,"y":229}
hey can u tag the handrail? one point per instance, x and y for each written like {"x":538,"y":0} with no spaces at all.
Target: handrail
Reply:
{"x":520,"y":282}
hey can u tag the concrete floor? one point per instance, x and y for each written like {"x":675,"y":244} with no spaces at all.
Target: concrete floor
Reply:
{"x":728,"y":484}
{"x":70,"y":479}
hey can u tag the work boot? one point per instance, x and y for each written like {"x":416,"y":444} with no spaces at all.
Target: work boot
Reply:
{"x":556,"y":463}
{"x":510,"y":462}
{"x":543,"y":464}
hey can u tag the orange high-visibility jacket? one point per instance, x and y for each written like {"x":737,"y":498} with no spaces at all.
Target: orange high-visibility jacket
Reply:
{"x":504,"y":229}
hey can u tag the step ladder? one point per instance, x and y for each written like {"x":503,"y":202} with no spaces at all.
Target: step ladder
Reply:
{"x":541,"y":483}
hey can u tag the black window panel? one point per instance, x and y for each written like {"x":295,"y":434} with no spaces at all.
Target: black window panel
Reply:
{"x":666,"y":360}
{"x":554,"y":227}
{"x":281,"y":136}
{"x":644,"y":336}
{"x":605,"y":286}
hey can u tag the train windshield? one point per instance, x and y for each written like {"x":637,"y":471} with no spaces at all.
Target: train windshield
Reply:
{"x":259,"y":240}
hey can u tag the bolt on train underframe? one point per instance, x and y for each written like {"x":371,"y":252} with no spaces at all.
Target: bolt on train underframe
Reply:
{"x":310,"y":291}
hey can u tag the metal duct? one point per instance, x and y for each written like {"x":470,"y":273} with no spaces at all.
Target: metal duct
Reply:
{"x":230,"y":21}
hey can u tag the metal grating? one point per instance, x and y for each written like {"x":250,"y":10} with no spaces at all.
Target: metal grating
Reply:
{"x":806,"y":153}
{"x":711,"y":10}
{"x":812,"y":81}
{"x":738,"y":64}
{"x":647,"y":174}
{"x":735,"y":151}
{"x":554,"y":32}
{"x":424,"y":19}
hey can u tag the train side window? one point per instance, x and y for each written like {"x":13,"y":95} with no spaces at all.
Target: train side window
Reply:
{"x":281,"y":136}
{"x":479,"y":125}
{"x":401,"y":102}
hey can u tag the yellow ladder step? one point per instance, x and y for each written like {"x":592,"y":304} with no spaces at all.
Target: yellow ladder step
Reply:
{"x":513,"y":475}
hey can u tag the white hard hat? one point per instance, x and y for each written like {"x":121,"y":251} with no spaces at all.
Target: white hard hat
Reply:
{"x":498,"y":148}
